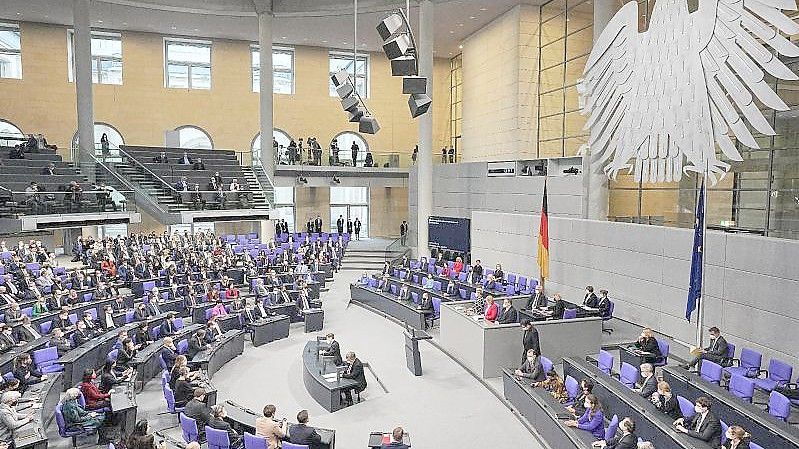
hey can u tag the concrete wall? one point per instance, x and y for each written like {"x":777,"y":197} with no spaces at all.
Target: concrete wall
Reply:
{"x":500,"y":79}
{"x":751,"y":282}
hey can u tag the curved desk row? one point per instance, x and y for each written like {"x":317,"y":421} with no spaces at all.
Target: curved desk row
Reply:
{"x":146,"y":360}
{"x":404,"y":311}
{"x":243,"y":419}
{"x":267,"y":330}
{"x":44,"y":395}
{"x":765,"y":429}
{"x":616,"y":398}
{"x":229,"y":347}
{"x":321,"y":380}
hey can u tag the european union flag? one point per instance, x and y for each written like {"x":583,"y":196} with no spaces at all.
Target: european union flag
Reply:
{"x":695,"y":288}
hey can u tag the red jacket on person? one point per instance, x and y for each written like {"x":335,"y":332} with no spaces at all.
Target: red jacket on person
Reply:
{"x":492,"y":311}
{"x":92,"y":395}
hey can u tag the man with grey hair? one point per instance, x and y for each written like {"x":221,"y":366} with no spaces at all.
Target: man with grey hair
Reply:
{"x":10,"y":420}
{"x":354,"y":371}
{"x":649,"y":384}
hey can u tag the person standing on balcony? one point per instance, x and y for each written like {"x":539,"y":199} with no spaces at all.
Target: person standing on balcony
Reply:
{"x":349,"y":226}
{"x":355,"y":148}
{"x":340,"y":224}
{"x":403,"y":232}
{"x":104,"y":144}
{"x":357,"y":228}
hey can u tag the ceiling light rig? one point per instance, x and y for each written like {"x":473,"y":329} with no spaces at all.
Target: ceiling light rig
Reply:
{"x":400,"y":48}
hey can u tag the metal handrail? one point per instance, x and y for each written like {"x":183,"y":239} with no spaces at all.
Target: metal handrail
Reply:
{"x":388,"y":250}
{"x":150,"y":172}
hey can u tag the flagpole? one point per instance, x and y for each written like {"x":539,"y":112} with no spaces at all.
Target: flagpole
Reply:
{"x":700,"y":316}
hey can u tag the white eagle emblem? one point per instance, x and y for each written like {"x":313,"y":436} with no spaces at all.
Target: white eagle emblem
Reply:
{"x":666,"y":97}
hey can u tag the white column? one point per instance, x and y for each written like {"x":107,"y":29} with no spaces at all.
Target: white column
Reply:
{"x":83,"y":86}
{"x":424,"y":186}
{"x":265,"y":44}
{"x":595,"y":183}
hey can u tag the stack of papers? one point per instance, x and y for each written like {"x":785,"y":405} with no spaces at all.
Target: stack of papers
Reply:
{"x":330,"y":377}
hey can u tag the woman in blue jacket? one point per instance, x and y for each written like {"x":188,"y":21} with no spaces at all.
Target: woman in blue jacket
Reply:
{"x":593,"y":420}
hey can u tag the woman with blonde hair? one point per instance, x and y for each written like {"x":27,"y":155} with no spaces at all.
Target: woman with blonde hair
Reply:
{"x":737,"y":438}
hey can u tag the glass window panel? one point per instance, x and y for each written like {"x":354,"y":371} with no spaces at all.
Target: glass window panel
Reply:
{"x":193,"y":137}
{"x":111,"y":72}
{"x":551,"y":103}
{"x":579,"y":15}
{"x":10,"y":65}
{"x":362,"y":213}
{"x":553,"y":8}
{"x":574,"y":69}
{"x":7,"y":129}
{"x":553,"y":29}
{"x":185,"y":52}
{"x":553,"y":53}
{"x":339,"y":62}
{"x":571,"y":146}
{"x":9,"y":38}
{"x":178,"y":76}
{"x":256,"y":80}
{"x":572,"y":98}
{"x":284,"y":195}
{"x":282,"y":60}
{"x":282,"y":82}
{"x":552,"y":78}
{"x":345,"y":141}
{"x":552,"y":148}
{"x":200,"y":77}
{"x":349,"y":195}
{"x":551,"y":127}
{"x":336,"y":212}
{"x":110,"y":47}
{"x":579,"y":43}
{"x":284,"y":213}
{"x":622,"y":204}
{"x":574,"y":123}
{"x":10,"y":52}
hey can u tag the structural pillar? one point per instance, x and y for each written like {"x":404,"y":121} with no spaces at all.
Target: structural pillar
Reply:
{"x":424,"y":186}
{"x":595,"y":183}
{"x":83,"y":87}
{"x":265,"y":17}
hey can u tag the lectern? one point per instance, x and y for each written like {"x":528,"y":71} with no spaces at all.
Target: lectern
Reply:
{"x":412,"y":356}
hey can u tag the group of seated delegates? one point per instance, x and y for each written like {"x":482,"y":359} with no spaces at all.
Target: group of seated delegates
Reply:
{"x":425,"y":303}
{"x":34,"y":144}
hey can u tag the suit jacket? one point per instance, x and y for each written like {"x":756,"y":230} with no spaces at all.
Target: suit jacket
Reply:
{"x":670,"y":407}
{"x":509,"y":316}
{"x":623,"y":441}
{"x":530,"y":341}
{"x":195,"y":345}
{"x":709,"y":430}
{"x":355,"y":372}
{"x":649,"y":386}
{"x":536,"y":301}
{"x":649,"y":345}
{"x":167,"y":328}
{"x":590,"y":300}
{"x":335,"y":351}
{"x":717,"y":347}
{"x":199,"y":411}
{"x":80,"y":337}
{"x":558,"y":309}
{"x":534,"y":370}
{"x":303,"y":434}
{"x":169,"y":356}
{"x":269,"y":429}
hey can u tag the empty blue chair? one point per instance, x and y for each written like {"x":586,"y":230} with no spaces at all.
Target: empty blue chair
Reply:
{"x":179,"y":323}
{"x":217,"y":439}
{"x":188,"y":426}
{"x":113,"y":355}
{"x":546,"y":364}
{"x":511,"y":278}
{"x":569,"y":314}
{"x":162,"y":363}
{"x":437,"y":286}
{"x":664,"y":353}
{"x":45,"y":360}
{"x":778,"y":374}
{"x":462,"y":293}
{"x":628,"y":375}
{"x":742,"y":387}
{"x":710,"y":371}
{"x":753,"y":445}
{"x":415,"y":278}
{"x":129,"y":315}
{"x":779,"y":406}
{"x":724,"y":428}
{"x":510,"y":290}
{"x":45,"y":327}
{"x":27,"y":311}
{"x":727,"y":361}
{"x":286,"y":445}
{"x":415,"y":297}
{"x":748,"y":365}
{"x":254,"y":442}
{"x":613,"y":427}
{"x":686,"y":407}
{"x":572,"y":388}
{"x":155,"y":332}
{"x":607,"y":317}
{"x":73,"y":318}
{"x":393,"y":289}
{"x":605,"y":361}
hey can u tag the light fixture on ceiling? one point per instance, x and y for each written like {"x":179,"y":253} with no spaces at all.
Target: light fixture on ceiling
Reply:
{"x":460,"y":46}
{"x":460,"y":24}
{"x":99,"y":21}
{"x":400,"y":48}
{"x":483,"y":9}
{"x":451,"y":31}
{"x":473,"y":17}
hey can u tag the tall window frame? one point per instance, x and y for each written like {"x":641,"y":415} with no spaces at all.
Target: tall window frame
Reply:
{"x":195,"y":68}
{"x":342,"y":60}
{"x":107,"y":65}
{"x":282,"y":71}
{"x":284,"y":206}
{"x":10,"y":51}
{"x":455,"y":101}
{"x":350,"y":202}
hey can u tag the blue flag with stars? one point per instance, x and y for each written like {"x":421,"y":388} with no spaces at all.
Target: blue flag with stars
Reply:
{"x":695,"y":287}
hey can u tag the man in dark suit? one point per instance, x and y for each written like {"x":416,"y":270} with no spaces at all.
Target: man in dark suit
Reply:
{"x":531,"y":368}
{"x":703,"y":425}
{"x":355,"y":372}
{"x":649,"y":384}
{"x":509,"y":314}
{"x":604,"y":303}
{"x":396,"y":440}
{"x":537,"y":300}
{"x":590,"y":299}
{"x":529,"y":339}
{"x":333,"y":349}
{"x":196,"y":344}
{"x":62,"y":321}
{"x":625,"y":438}
{"x":477,"y":270}
{"x":168,"y":326}
{"x":197,"y":409}
{"x":169,"y":352}
{"x":715,"y":352}
{"x":81,"y":336}
{"x":301,"y":433}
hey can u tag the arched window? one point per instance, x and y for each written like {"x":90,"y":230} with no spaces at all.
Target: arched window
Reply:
{"x":194,"y":137}
{"x":345,"y":141}
{"x":8,"y":129}
{"x":282,"y":137}
{"x":115,"y":138}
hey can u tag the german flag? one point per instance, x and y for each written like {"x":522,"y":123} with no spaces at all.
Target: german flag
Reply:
{"x":543,"y":238}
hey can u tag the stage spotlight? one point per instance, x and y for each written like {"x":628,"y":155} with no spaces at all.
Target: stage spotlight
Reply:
{"x":414,"y":85}
{"x":368,"y":125}
{"x":389,"y":26}
{"x":419,"y":104}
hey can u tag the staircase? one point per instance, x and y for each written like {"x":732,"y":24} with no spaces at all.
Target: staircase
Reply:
{"x":367,"y":259}
{"x":152,"y":187}
{"x":259,"y":194}
{"x":264,"y":182}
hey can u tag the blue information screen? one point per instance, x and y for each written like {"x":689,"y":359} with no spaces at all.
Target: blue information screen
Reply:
{"x":449,"y":233}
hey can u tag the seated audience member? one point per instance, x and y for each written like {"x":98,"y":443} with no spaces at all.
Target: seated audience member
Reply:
{"x":219,"y":309}
{"x":61,"y":343}
{"x":94,"y":398}
{"x":625,"y":438}
{"x":183,"y":388}
{"x":302,"y":433}
{"x":7,"y":340}
{"x":109,"y":378}
{"x":531,"y":368}
{"x":198,"y":164}
{"x":426,"y":305}
{"x":197,"y":409}
{"x":737,"y":438}
{"x":558,"y":308}
{"x":186,"y":159}
{"x":333,"y":349}
{"x":355,"y":372}
{"x":553,"y":383}
{"x":217,"y":421}
{"x":142,"y":335}
{"x":649,"y":383}
{"x":703,"y":425}
{"x":499,"y":275}
{"x":141,"y":438}
{"x":590,"y":299}
{"x":396,"y":440}
{"x":509,"y":314}
{"x":716,"y":351}
{"x":604,"y":303}
{"x":125,"y":355}
{"x":213,"y":333}
{"x":457,"y":267}
{"x":77,"y":417}
{"x":24,"y":371}
{"x":196,"y":344}
{"x":648,"y":343}
{"x":492,"y":310}
{"x":586,"y":387}
{"x":169,"y":352}
{"x":10,"y":419}
{"x":168,"y":327}
{"x":161,"y":158}
{"x":665,"y":401}
{"x":537,"y":300}
{"x":592,"y":420}
{"x":266,"y":426}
